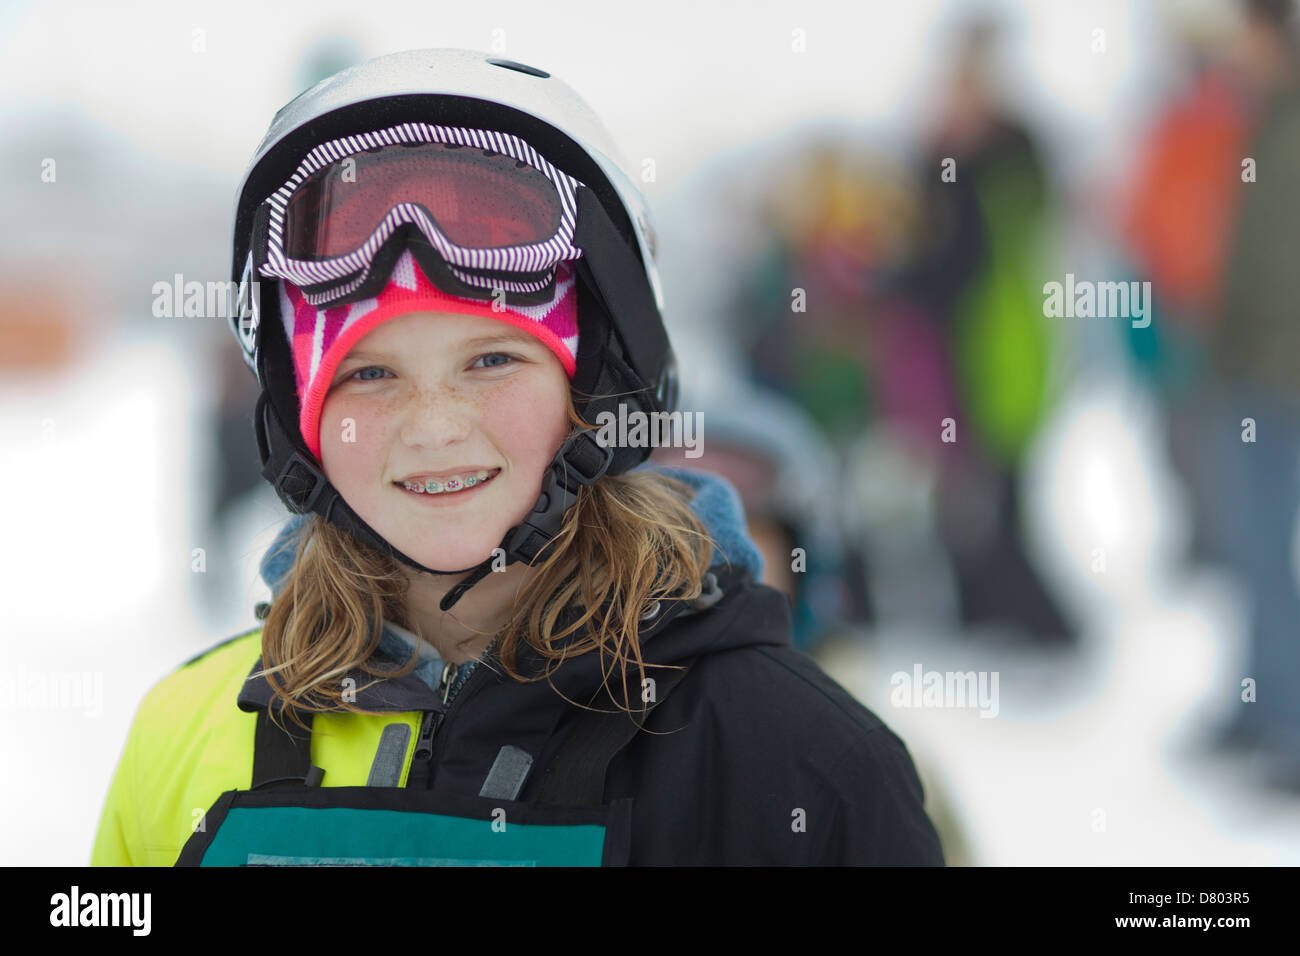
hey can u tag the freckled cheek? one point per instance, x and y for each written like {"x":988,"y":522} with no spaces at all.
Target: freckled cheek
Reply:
{"x":528,"y":424}
{"x":352,"y":437}
{"x":517,"y":440}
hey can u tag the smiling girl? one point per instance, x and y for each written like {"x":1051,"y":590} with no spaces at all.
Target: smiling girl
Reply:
{"x":491,"y":638}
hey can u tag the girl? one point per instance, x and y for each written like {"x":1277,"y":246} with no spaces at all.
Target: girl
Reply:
{"x":464,"y":281}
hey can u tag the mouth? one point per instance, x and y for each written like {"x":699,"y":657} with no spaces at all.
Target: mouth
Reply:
{"x":457,"y":489}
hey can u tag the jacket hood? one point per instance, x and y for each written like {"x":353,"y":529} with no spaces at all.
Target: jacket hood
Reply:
{"x":677,"y":631}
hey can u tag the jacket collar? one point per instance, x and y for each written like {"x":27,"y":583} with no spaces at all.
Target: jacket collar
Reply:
{"x":408,"y":692}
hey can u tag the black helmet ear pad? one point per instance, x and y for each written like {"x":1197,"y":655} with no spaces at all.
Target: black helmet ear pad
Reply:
{"x":604,"y":380}
{"x":275,"y":367}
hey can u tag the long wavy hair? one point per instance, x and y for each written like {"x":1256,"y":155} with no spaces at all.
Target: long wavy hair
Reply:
{"x":629,"y":541}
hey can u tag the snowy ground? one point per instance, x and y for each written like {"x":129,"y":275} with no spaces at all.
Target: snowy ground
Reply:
{"x":1086,"y":762}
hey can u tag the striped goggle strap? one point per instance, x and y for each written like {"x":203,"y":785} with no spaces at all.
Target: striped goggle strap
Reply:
{"x":487,"y":202}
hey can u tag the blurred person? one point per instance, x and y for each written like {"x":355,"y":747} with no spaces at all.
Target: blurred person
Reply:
{"x":822,"y":321}
{"x":978,"y":272}
{"x":1176,"y":221}
{"x":788,"y":481}
{"x":830,"y":221}
{"x":1257,"y":361}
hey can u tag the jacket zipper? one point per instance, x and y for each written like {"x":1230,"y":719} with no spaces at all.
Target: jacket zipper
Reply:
{"x":432,"y":720}
{"x":449,"y":689}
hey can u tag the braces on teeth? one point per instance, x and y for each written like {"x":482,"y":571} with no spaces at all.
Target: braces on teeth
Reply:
{"x":432,"y":486}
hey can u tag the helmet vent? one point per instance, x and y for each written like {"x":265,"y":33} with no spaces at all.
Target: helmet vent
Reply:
{"x":520,"y":67}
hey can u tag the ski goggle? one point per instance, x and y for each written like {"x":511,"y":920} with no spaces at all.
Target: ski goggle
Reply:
{"x":499,"y":215}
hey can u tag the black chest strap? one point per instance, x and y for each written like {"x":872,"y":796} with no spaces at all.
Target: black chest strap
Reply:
{"x":282,"y":758}
{"x":576,"y":774}
{"x":574,"y":777}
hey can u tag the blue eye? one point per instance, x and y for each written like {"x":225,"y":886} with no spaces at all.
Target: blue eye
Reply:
{"x":508,"y":358}
{"x":368,"y":368}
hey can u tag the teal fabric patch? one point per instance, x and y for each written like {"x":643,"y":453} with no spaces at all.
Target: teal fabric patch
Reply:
{"x":260,"y":859}
{"x":353,"y":837}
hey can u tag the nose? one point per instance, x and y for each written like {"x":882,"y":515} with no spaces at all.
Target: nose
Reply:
{"x":435,"y":417}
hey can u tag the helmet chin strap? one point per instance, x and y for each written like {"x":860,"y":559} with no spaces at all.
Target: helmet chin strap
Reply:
{"x":580,"y":461}
{"x":303,"y":487}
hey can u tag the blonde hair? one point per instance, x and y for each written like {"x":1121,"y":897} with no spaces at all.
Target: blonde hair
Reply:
{"x":629,"y":541}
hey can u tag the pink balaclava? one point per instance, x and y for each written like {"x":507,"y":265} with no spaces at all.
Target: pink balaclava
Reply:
{"x":321,"y":338}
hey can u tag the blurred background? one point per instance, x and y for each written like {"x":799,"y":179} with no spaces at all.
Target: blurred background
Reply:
{"x":858,"y":208}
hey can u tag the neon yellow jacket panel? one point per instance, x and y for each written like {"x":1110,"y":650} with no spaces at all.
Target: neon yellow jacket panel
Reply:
{"x":188,"y":745}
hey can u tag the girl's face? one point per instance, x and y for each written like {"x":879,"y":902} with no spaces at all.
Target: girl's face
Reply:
{"x":437,"y":394}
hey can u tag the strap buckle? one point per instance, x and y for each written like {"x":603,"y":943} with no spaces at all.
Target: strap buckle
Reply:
{"x":299,"y":470}
{"x":577,"y":447}
{"x":559,"y":493}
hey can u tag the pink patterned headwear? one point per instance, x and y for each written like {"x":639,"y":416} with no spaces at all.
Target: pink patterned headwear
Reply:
{"x":321,"y":338}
